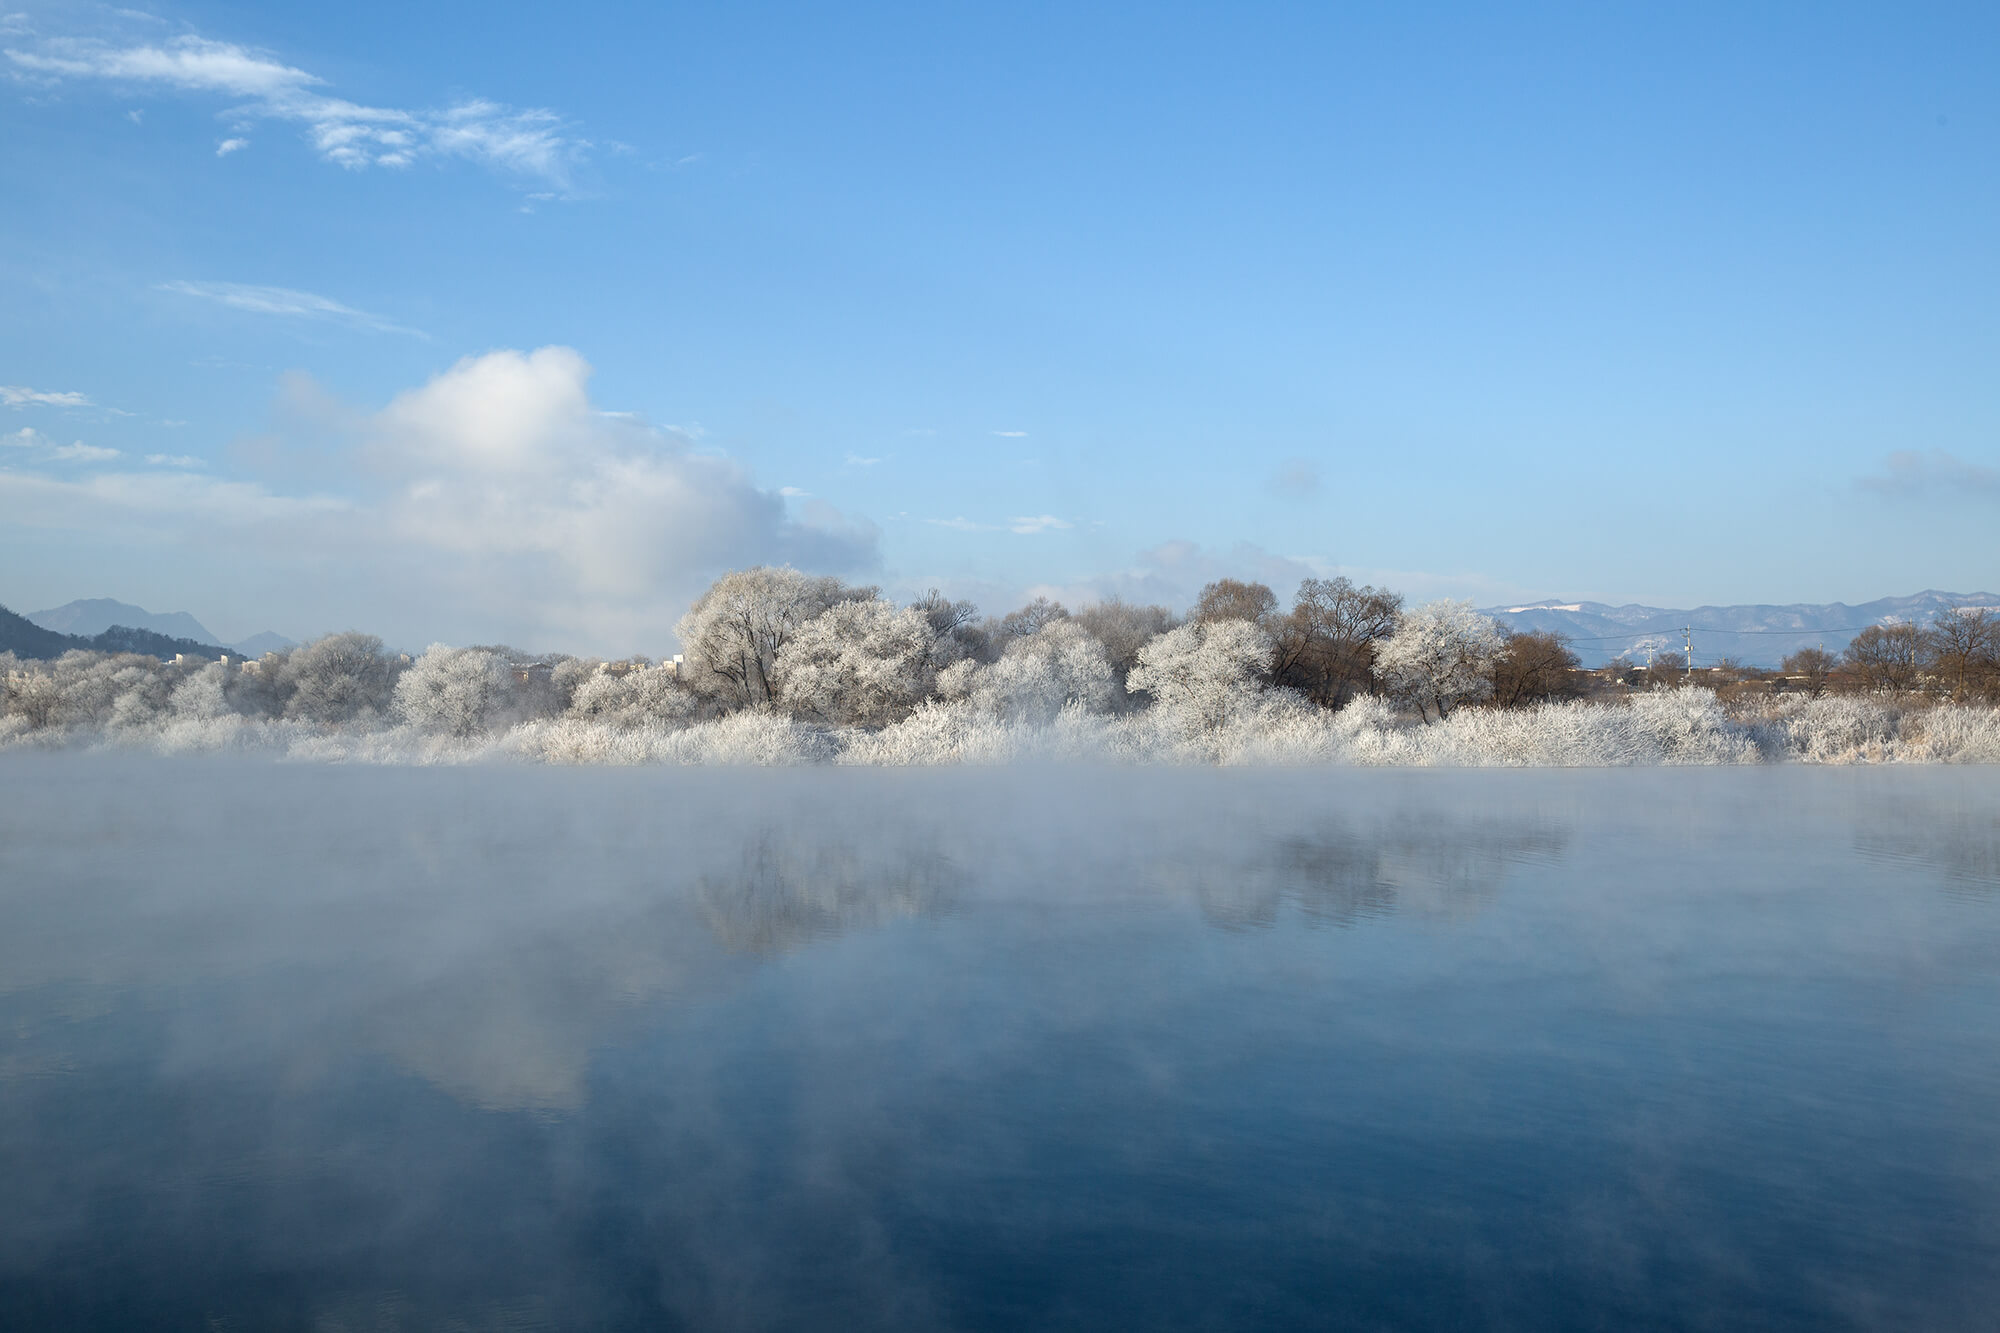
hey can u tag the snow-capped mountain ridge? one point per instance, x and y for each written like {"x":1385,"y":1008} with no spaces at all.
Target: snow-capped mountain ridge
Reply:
{"x":1760,"y":635}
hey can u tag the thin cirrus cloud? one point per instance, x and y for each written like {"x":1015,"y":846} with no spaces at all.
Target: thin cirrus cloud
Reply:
{"x":19,"y":395}
{"x":530,"y":144}
{"x":45,"y":448}
{"x":1026,"y":526}
{"x":1917,"y":472}
{"x":286,"y":302}
{"x":228,"y":146}
{"x":1012,"y":434}
{"x":856,"y":460}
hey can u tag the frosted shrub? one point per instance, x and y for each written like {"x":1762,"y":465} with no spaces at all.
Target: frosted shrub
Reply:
{"x":1954,"y":734}
{"x":1832,"y":729}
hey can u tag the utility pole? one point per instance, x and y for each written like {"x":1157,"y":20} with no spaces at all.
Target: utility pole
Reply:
{"x":1687,"y":637}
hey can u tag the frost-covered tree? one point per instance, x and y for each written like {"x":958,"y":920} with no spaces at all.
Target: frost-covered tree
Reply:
{"x":731,"y":637}
{"x":455,"y":691}
{"x":630,"y":699}
{"x":1041,"y":673}
{"x":1440,"y":656}
{"x":1205,"y":674}
{"x":858,"y":663}
{"x":339,"y":678}
{"x":202,"y":694}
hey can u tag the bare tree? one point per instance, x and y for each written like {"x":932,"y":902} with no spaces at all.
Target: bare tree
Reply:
{"x":1326,"y":645}
{"x":1886,"y":657}
{"x":1124,"y":628}
{"x":1962,"y":649}
{"x":1030,"y":618}
{"x":1815,"y":665}
{"x":1232,"y":599}
{"x":1534,"y":666}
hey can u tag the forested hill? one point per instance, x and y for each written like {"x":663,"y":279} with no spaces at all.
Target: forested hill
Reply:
{"x":24,"y":638}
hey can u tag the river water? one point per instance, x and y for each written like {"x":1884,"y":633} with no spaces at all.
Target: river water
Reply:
{"x":285,"y":1046}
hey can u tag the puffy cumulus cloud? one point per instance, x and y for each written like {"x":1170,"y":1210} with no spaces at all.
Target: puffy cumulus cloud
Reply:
{"x":493,"y":502}
{"x":530,"y":144}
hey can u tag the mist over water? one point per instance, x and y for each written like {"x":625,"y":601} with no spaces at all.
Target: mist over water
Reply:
{"x":342,"y":1048}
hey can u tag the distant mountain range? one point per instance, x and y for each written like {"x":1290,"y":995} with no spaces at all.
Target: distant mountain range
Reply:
{"x":1755,"y":635}
{"x":93,"y":616}
{"x":24,"y":638}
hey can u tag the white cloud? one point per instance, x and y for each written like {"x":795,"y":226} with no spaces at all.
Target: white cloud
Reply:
{"x":16,"y":395}
{"x":174,"y":460}
{"x":493,"y":501}
{"x":78,"y":452}
{"x":793,"y":492}
{"x":1911,"y":473}
{"x":856,"y":460}
{"x":1038,"y":523}
{"x":228,"y":146}
{"x":1011,"y":434}
{"x":83,"y":453}
{"x":285,"y":302}
{"x":531,"y":144}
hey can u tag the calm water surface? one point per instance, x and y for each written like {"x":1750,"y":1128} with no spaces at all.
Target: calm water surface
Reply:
{"x":360,"y":1049}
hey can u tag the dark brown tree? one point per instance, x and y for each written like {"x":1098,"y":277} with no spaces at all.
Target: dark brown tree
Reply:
{"x":1231,"y":599}
{"x":1326,"y":645}
{"x":1534,"y":667}
{"x":1961,"y":649}
{"x":1815,"y":665}
{"x":1885,"y":657}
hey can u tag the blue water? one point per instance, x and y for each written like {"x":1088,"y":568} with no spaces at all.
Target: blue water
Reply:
{"x":342,"y":1049}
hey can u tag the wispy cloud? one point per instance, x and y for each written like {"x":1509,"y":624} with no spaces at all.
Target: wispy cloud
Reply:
{"x":1012,"y":434}
{"x":285,"y":302}
{"x":83,"y":453}
{"x":793,"y":492}
{"x":174,"y":460}
{"x":45,"y":448}
{"x":1029,"y":526}
{"x":1913,"y":472}
{"x":228,"y":146}
{"x":856,"y":460}
{"x":19,"y":395}
{"x":1039,"y":523}
{"x":532,"y":144}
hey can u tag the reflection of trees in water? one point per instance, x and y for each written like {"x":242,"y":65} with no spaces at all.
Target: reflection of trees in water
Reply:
{"x":793,"y":885}
{"x":1962,"y":843}
{"x":1344,"y":874}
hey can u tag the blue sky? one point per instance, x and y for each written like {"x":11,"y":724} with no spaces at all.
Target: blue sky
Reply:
{"x":1681,"y":306}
